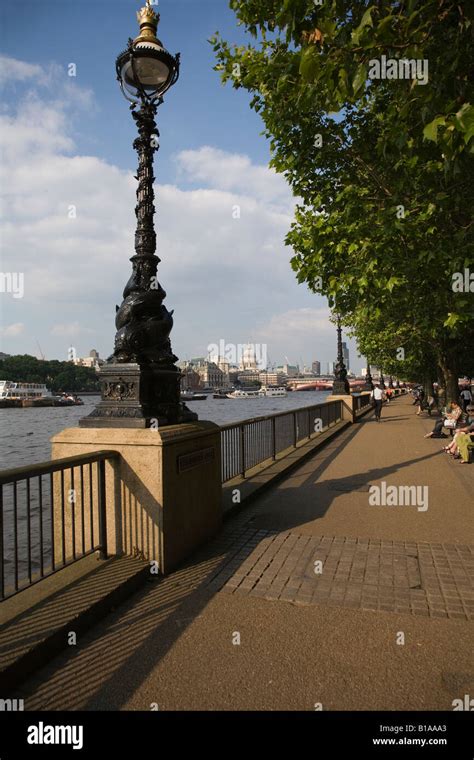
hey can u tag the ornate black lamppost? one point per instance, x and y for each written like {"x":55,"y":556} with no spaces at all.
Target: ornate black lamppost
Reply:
{"x":382,"y":379}
{"x":390,"y":382}
{"x":341,"y":383}
{"x":369,"y":383}
{"x":140,"y":384}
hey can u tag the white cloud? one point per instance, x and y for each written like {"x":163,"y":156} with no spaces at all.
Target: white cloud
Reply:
{"x":232,"y":172}
{"x":223,"y":276}
{"x":36,"y":130}
{"x":12,"y":330}
{"x":12,"y":70}
{"x":297,"y":323}
{"x":204,"y":249}
{"x":52,"y":79}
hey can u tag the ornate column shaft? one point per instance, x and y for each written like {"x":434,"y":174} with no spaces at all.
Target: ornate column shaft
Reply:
{"x":146,"y":144}
{"x":140,"y":382}
{"x":341,"y":384}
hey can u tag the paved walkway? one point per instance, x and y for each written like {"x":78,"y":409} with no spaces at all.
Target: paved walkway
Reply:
{"x":311,"y":596}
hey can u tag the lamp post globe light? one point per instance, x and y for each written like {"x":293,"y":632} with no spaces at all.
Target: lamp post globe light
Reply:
{"x":341,"y":383}
{"x":140,"y":384}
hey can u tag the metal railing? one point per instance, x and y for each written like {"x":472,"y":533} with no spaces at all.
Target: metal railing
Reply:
{"x":250,"y":442}
{"x":51,"y":514}
{"x":361,"y":402}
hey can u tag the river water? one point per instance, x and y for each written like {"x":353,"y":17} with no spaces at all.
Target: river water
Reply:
{"x":25,"y":433}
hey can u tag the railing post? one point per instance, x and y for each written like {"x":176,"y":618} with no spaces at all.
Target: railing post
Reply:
{"x":102,"y":510}
{"x":242,"y":450}
{"x":295,"y":429}
{"x":274,"y":438}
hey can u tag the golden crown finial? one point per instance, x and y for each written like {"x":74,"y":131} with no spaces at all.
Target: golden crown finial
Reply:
{"x":148,"y":20}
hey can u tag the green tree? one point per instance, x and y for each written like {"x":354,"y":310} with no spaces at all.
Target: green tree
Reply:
{"x":56,"y":375}
{"x":381,"y":167}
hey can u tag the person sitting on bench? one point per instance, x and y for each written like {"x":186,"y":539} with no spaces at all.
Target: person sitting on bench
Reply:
{"x":463,"y":440}
{"x":449,"y":420}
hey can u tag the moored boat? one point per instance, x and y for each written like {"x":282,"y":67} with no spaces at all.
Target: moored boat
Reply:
{"x":222,"y":392}
{"x":23,"y":391}
{"x":274,"y":391}
{"x":29,"y":395}
{"x":68,"y":399}
{"x":244,"y":394}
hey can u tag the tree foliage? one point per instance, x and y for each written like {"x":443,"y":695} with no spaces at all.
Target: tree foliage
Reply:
{"x":56,"y":375}
{"x":381,"y":168}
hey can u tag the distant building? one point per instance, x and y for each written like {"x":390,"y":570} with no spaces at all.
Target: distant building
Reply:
{"x":4,"y":356}
{"x":331,"y":368}
{"x":93,"y":360}
{"x":190,"y":380}
{"x":224,"y":366}
{"x":209,"y":373}
{"x":249,"y":376}
{"x":316,"y":367}
{"x":345,"y":354}
{"x":272,"y":378}
{"x":233,"y":375}
{"x":249,"y":359}
{"x":290,"y":370}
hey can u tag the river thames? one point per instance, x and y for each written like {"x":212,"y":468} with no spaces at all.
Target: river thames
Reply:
{"x":25,"y":433}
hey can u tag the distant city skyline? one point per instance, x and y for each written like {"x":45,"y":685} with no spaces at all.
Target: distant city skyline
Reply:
{"x":322,"y":366}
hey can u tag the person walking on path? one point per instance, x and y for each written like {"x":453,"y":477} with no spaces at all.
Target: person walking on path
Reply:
{"x":378,"y":396}
{"x":465,"y":398}
{"x":421,"y":398}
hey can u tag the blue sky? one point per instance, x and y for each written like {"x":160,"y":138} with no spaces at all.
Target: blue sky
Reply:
{"x":68,"y":142}
{"x":198,"y":110}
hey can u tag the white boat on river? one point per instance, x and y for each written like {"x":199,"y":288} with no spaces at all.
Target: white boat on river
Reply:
{"x":273,"y":391}
{"x":244,"y":394}
{"x":22,"y":391}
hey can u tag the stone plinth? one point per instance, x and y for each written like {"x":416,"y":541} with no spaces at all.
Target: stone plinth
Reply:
{"x":138,"y":396}
{"x":340,"y":388}
{"x":349,"y":410}
{"x":163,"y":492}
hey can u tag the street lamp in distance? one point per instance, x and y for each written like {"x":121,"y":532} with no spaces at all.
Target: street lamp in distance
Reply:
{"x":341,"y":384}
